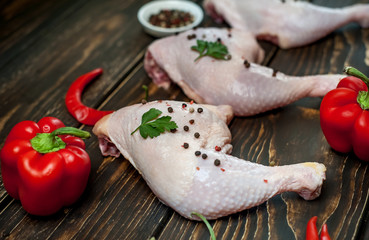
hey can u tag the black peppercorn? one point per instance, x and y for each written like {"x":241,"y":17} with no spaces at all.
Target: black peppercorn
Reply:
{"x":173,"y":130}
{"x":200,"y":110}
{"x":204,"y":156}
{"x":216,"y":162}
{"x":170,"y":109}
{"x":197,"y":135}
{"x":192,"y":36}
{"x":274,"y":73}
{"x":186,"y":128}
{"x":185,"y":145}
{"x":197,"y":153}
{"x":246,"y":63}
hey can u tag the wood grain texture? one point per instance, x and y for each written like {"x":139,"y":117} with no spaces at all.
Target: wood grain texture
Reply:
{"x":46,"y":45}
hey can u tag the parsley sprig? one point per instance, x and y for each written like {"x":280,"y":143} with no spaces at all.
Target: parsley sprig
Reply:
{"x":152,"y":126}
{"x":212,"y":49}
{"x":210,"y":228}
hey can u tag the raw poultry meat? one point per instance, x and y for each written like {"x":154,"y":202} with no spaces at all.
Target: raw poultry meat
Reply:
{"x":286,"y":23}
{"x":240,"y":82}
{"x":190,"y":169}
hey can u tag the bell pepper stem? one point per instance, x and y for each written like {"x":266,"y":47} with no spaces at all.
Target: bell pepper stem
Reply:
{"x":363,"y":96}
{"x":71,"y":131}
{"x":50,"y":142}
{"x":356,"y":73}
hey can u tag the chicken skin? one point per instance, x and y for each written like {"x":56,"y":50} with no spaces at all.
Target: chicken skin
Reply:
{"x":190,"y":169}
{"x":239,"y":81}
{"x":286,"y":23}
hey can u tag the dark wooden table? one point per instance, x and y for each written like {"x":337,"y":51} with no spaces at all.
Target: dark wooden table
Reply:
{"x":46,"y":45}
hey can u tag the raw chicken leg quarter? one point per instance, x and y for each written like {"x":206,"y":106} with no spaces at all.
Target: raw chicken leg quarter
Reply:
{"x":239,"y":82}
{"x":190,"y":169}
{"x":286,"y":23}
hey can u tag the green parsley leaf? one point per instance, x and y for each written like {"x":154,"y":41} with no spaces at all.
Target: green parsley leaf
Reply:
{"x":152,"y":126}
{"x":201,"y":46}
{"x":212,"y":49}
{"x":150,"y":115}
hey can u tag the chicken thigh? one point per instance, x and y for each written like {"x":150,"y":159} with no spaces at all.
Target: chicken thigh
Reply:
{"x":190,"y":169}
{"x":240,"y":82}
{"x":286,"y":23}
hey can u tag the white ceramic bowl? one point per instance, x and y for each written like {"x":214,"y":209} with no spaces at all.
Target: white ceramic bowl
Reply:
{"x":154,"y":7}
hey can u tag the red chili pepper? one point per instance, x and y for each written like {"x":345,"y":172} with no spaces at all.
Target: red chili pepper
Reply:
{"x":79,"y":111}
{"x":324,"y":235}
{"x":44,"y":168}
{"x":312,"y":231}
{"x":344,"y":115}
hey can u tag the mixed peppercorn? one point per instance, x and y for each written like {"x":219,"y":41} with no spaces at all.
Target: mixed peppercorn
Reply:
{"x":171,"y":18}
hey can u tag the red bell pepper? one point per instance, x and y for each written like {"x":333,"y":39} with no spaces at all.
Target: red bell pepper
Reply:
{"x":312,"y":231}
{"x":344,"y":115}
{"x":44,"y":165}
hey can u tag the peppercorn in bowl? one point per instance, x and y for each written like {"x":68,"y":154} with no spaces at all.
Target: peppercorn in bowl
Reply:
{"x":167,"y":17}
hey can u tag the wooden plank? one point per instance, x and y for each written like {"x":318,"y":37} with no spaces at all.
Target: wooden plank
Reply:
{"x":91,"y":37}
{"x":292,"y":134}
{"x":346,"y":46}
{"x":117,"y":203}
